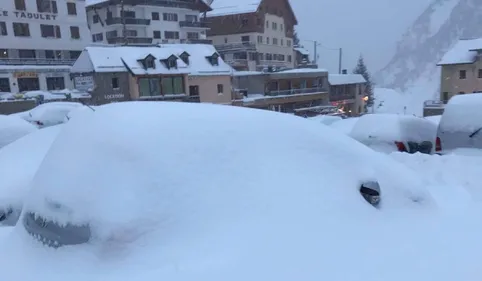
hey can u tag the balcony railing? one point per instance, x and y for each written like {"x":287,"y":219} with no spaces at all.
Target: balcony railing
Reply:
{"x":130,"y":40}
{"x":129,"y":21}
{"x":197,"y":41}
{"x":340,"y":97}
{"x":434,"y":104}
{"x":238,"y":62}
{"x":195,"y":24}
{"x":245,"y":46}
{"x":296,"y":91}
{"x":35,"y":61}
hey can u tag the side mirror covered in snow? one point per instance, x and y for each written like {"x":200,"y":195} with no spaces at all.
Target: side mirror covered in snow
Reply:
{"x":371,"y":192}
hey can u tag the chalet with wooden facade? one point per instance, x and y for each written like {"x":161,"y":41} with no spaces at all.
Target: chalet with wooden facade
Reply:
{"x":254,"y":37}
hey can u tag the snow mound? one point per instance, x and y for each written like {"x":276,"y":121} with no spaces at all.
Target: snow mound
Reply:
{"x":462,"y":113}
{"x":254,"y":195}
{"x":345,"y":126}
{"x":325,"y":119}
{"x":19,"y":162}
{"x":13,"y":128}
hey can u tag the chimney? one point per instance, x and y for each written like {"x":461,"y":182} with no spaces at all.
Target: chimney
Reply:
{"x":344,"y":71}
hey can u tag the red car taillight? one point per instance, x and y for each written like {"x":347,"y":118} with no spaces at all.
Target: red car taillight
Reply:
{"x":438,"y":145}
{"x":400,"y":146}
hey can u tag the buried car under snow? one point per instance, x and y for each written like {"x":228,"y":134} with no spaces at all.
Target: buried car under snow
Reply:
{"x":144,"y":191}
{"x":19,"y":162}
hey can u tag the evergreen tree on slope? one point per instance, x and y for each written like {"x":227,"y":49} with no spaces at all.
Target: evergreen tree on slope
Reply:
{"x":361,"y":69}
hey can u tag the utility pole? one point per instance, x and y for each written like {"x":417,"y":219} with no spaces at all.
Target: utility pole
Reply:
{"x":315,"y":45}
{"x":124,"y":27}
{"x":340,"y":55}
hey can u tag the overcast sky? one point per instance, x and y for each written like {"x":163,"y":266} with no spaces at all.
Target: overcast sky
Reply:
{"x":371,"y":27}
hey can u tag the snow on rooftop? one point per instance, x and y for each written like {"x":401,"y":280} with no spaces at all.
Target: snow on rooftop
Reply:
{"x":303,"y":51}
{"x":461,"y":52}
{"x":115,"y":59}
{"x":225,"y":8}
{"x":247,"y":73}
{"x":302,"y":70}
{"x":94,"y":2}
{"x":345,"y":79}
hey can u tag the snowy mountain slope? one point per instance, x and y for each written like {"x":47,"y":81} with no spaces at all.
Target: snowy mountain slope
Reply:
{"x":413,"y":67}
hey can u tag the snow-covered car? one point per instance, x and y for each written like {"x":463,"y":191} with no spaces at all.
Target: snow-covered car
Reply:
{"x":12,"y":128}
{"x":19,"y":162}
{"x":391,"y":132}
{"x":51,"y":113}
{"x":80,"y":110}
{"x":460,"y":127}
{"x":325,"y":119}
{"x":345,"y":126}
{"x":144,"y":191}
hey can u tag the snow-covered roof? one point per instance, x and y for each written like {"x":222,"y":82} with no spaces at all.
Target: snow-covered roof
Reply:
{"x":303,"y":70}
{"x":126,"y":58}
{"x":463,"y":52}
{"x":247,"y":73}
{"x":89,"y":3}
{"x":225,"y":8}
{"x":345,"y":79}
{"x":303,"y":51}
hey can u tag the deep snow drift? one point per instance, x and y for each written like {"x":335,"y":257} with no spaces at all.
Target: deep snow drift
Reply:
{"x":19,"y":162}
{"x":227,"y":193}
{"x":13,"y":128}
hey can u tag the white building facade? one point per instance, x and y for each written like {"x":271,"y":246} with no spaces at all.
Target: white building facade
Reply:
{"x":152,"y":22}
{"x":40,"y":40}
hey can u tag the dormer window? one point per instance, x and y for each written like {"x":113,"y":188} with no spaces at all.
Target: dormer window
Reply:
{"x":148,"y":62}
{"x":185,"y":57}
{"x":213,"y":59}
{"x":170,"y":62}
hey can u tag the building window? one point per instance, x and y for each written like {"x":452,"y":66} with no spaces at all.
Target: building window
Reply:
{"x":169,"y":17}
{"x":155,"y":16}
{"x":274,"y":26}
{"x":47,"y":6}
{"x":480,"y":73}
{"x":131,"y":33}
{"x":21,"y":29}
{"x":288,"y":43}
{"x":172,"y":85}
{"x":111,"y":34}
{"x":74,"y":54}
{"x":282,"y":42}
{"x":225,"y":40}
{"x":462,"y":74}
{"x":244,"y":22}
{"x":128,"y":14}
{"x":192,"y":35}
{"x":191,"y":18}
{"x":220,"y":88}
{"x":289,"y":58}
{"x":3,"y":28}
{"x":149,"y":87}
{"x":156,"y":34}
{"x":55,"y":83}
{"x":95,"y":19}
{"x":28,"y":84}
{"x":27,"y":54}
{"x":50,"y":31}
{"x":281,"y":27}
{"x":445,"y":97}
{"x":71,"y":8}
{"x":275,"y":41}
{"x":194,"y":91}
{"x":260,"y":39}
{"x":98,"y":37}
{"x":74,"y":32}
{"x":115,"y":83}
{"x":267,"y":40}
{"x":4,"y":53}
{"x":267,"y":24}
{"x":171,"y":34}
{"x":49,"y":54}
{"x":20,"y":5}
{"x":5,"y":85}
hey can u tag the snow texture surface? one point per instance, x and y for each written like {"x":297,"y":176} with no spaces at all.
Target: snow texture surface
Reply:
{"x":462,"y":113}
{"x":462,"y":53}
{"x":176,"y":196}
{"x":345,"y":79}
{"x":19,"y":162}
{"x":13,"y":128}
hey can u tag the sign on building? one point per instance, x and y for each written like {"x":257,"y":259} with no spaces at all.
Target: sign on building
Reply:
{"x":25,"y":75}
{"x":84,"y":83}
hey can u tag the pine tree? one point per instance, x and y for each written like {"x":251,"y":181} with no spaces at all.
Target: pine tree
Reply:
{"x":361,"y":69}
{"x":296,"y":40}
